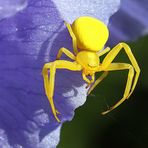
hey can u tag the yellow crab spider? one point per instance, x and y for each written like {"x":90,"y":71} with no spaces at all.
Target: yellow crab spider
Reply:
{"x":89,"y":36}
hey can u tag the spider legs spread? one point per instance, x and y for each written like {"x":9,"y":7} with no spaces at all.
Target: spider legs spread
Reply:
{"x":107,"y":65}
{"x":49,"y":81}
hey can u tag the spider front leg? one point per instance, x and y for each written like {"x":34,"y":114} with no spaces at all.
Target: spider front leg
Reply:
{"x":49,"y":83}
{"x":49,"y":86}
{"x":122,"y":66}
{"x":130,"y":86}
{"x":113,"y":53}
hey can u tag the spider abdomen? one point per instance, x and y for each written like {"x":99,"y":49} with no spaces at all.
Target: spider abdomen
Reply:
{"x":91,"y":33}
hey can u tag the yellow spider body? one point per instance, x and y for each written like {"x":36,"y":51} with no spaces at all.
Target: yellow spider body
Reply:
{"x":89,"y":36}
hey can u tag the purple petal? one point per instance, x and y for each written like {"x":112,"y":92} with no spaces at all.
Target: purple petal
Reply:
{"x":11,"y":7}
{"x":28,"y":40}
{"x":101,"y":9}
{"x":130,"y":21}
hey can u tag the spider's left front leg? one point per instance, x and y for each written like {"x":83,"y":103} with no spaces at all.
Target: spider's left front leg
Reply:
{"x":122,"y":66}
{"x":114,"y":52}
{"x":107,"y":65}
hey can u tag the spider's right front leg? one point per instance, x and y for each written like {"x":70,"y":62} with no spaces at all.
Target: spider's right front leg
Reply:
{"x":49,"y":85}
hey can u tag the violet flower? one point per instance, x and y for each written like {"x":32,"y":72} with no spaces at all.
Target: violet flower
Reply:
{"x":10,"y":7}
{"x":28,"y":39}
{"x":129,"y":22}
{"x":31,"y":33}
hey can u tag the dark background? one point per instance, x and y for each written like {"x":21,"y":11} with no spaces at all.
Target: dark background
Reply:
{"x":124,"y":127}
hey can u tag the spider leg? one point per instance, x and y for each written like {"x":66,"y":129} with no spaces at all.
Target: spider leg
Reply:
{"x":49,"y":83}
{"x":74,"y":41}
{"x":113,"y":53}
{"x":122,"y":66}
{"x":67,"y":52}
{"x":49,"y":86}
{"x":87,"y":80}
{"x":104,"y":51}
{"x":98,"y":81}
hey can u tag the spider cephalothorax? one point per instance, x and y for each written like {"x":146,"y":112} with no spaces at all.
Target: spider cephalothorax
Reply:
{"x":89,"y":36}
{"x":89,"y":62}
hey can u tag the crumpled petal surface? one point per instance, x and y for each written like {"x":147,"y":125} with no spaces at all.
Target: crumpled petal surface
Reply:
{"x":129,"y":22}
{"x":11,"y":7}
{"x":28,"y":39}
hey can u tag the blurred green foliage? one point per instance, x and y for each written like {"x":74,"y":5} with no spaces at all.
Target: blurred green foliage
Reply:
{"x":124,"y":127}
